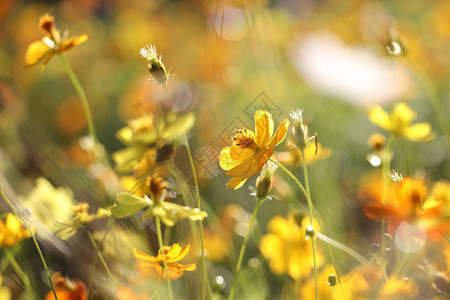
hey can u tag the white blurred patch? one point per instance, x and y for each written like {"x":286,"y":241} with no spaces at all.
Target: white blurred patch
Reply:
{"x":410,"y":238}
{"x":353,"y":74}
{"x":232,"y":23}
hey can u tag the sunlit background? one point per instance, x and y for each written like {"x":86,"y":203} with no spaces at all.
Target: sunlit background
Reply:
{"x":333,"y":59}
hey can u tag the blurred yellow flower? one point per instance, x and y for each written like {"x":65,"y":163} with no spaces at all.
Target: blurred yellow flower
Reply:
{"x":149,"y":265}
{"x":399,"y":121}
{"x":5,"y":293}
{"x":288,"y":248}
{"x":251,"y":150}
{"x":51,"y":43}
{"x":81,"y":217}
{"x":398,"y":288}
{"x":12,"y":231}
{"x":149,"y":141}
{"x":155,"y":205}
{"x":49,"y":206}
{"x":294,"y":156}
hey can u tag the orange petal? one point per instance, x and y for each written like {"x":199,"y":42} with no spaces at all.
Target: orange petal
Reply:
{"x":377,"y":211}
{"x":236,"y":182}
{"x":139,"y":255}
{"x":73,"y":41}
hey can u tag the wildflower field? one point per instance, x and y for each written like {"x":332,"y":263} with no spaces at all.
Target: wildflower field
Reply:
{"x":285,"y":149}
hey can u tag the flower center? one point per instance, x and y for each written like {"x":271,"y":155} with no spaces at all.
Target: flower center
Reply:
{"x":142,"y":124}
{"x":243,"y":139}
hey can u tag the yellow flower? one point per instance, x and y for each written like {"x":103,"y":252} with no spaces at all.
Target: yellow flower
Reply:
{"x":51,"y":43}
{"x":50,"y":206}
{"x":12,"y":231}
{"x":149,"y":141}
{"x":398,"y":288}
{"x":251,"y":150}
{"x":148,"y":264}
{"x":81,"y":218}
{"x":294,"y":156}
{"x":154,"y":204}
{"x":288,"y":248}
{"x":399,"y":121}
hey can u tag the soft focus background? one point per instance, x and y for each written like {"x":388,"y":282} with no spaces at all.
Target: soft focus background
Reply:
{"x":229,"y":58}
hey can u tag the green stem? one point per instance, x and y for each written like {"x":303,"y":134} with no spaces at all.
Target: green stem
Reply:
{"x":342,"y":247}
{"x":244,"y":244}
{"x":290,"y":175}
{"x":432,"y":96}
{"x":310,"y":207}
{"x":20,"y":272}
{"x":385,"y":179}
{"x":80,"y":91}
{"x":100,"y":256}
{"x":34,"y":240}
{"x":200,"y":223}
{"x":161,"y":247}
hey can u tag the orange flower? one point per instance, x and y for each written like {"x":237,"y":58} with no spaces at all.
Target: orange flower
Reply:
{"x":51,"y":43}
{"x":251,"y":150}
{"x":67,"y":289}
{"x":149,"y":265}
{"x":12,"y":231}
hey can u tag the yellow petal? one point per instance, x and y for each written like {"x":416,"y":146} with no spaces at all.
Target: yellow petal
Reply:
{"x":236,"y":182}
{"x":230,"y":157}
{"x":247,"y":168}
{"x":139,"y":255}
{"x":263,"y":127}
{"x":36,"y":52}
{"x":281,"y":132}
{"x":73,"y":41}
{"x":379,"y":117}
{"x":420,"y":132}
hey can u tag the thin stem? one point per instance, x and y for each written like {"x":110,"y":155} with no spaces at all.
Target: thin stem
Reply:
{"x":432,"y":96}
{"x":244,"y":244}
{"x":385,"y":179}
{"x":99,"y":254}
{"x":20,"y":272}
{"x":80,"y":91}
{"x":34,"y":240}
{"x":342,"y":247}
{"x":161,"y":247}
{"x":309,"y":203}
{"x":310,"y":207}
{"x":200,"y":223}
{"x":290,"y":175}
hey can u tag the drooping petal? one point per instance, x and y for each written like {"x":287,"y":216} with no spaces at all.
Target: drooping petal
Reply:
{"x":144,"y":257}
{"x":36,"y":52}
{"x":236,"y":182}
{"x":263,"y":127}
{"x":420,"y":132}
{"x":73,"y":41}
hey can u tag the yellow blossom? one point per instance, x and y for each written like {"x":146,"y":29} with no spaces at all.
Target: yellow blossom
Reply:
{"x":149,"y":265}
{"x":81,"y":217}
{"x":12,"y":231}
{"x":155,"y":205}
{"x":294,"y":156}
{"x":399,"y":121}
{"x":251,"y":150}
{"x":288,"y":248}
{"x":149,"y":141}
{"x":51,"y":43}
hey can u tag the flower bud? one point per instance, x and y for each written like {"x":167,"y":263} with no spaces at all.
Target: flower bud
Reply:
{"x":332,"y":280}
{"x":155,"y":64}
{"x":264,"y":180}
{"x":309,"y":231}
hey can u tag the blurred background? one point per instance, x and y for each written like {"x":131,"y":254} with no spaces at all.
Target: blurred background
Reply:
{"x":229,"y":58}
